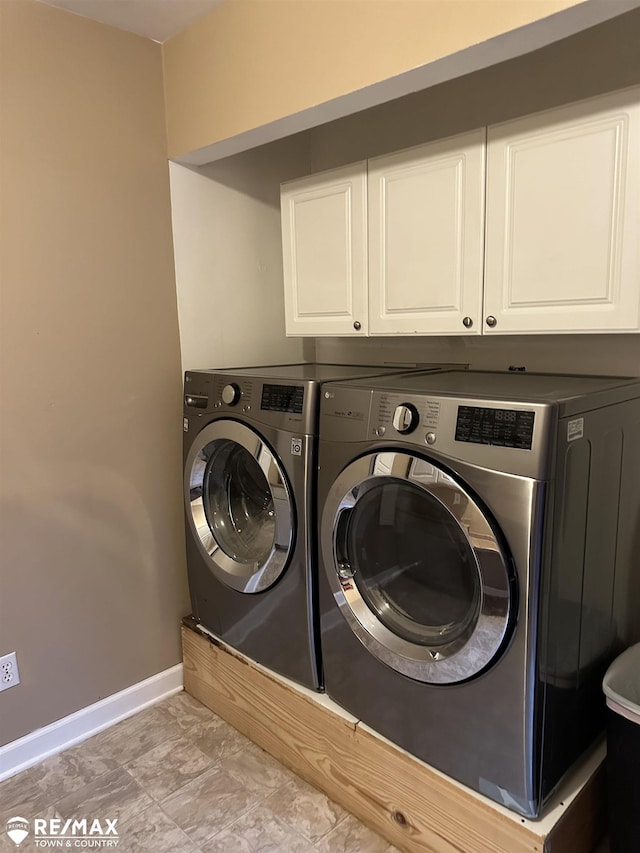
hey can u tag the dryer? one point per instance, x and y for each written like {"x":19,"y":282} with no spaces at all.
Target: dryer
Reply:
{"x":479,"y":536}
{"x":250,"y":448}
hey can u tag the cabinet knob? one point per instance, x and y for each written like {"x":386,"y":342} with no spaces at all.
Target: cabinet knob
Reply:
{"x":491,"y":321}
{"x":467,"y":322}
{"x":357,"y":325}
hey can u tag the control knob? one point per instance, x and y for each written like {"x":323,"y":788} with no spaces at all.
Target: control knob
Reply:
{"x":405,"y":418}
{"x":231,"y":394}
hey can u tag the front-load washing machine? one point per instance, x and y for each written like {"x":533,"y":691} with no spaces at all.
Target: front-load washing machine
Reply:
{"x":479,"y":535}
{"x":250,"y":443}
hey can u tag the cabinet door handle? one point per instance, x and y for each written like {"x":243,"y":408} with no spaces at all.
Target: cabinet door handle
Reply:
{"x":491,"y":321}
{"x":467,"y":322}
{"x":357,"y":325}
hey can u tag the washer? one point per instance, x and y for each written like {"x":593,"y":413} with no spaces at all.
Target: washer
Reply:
{"x":478,"y":534}
{"x":250,"y":444}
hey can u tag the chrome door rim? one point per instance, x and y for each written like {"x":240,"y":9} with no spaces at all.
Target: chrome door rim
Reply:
{"x":249,"y":577}
{"x":447,"y":664}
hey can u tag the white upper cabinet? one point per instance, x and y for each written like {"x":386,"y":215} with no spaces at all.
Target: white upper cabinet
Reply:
{"x":426,"y":234}
{"x":324,"y":245}
{"x":563,"y":219}
{"x":404,"y":245}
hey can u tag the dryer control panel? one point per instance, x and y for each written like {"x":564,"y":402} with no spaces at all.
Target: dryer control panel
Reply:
{"x":500,"y":427}
{"x":510,"y":436}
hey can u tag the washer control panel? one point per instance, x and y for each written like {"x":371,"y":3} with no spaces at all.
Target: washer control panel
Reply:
{"x":283,"y":405}
{"x":231,"y":394}
{"x":282,"y":398}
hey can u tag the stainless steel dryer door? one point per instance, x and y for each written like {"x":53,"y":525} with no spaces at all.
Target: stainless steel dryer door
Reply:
{"x":239,"y":506}
{"x":416,"y":568}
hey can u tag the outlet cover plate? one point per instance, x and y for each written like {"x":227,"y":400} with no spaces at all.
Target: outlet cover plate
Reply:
{"x":9,"y":673}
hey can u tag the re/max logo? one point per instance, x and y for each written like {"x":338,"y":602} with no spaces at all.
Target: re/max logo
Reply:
{"x":84,"y":827}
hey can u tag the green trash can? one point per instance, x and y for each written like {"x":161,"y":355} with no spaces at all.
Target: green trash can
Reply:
{"x":621,"y":686}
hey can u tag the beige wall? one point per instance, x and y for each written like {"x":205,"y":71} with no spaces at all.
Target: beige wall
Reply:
{"x":600,"y":59}
{"x":252,"y":62}
{"x":92,"y":580}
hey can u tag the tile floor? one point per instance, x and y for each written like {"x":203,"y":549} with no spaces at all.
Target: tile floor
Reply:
{"x":181,"y":780}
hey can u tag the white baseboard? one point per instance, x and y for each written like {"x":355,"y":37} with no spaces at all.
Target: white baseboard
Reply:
{"x":83,"y":724}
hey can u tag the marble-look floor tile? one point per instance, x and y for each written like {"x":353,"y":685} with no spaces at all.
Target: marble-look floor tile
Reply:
{"x":258,"y":831}
{"x":153,"y":831}
{"x":351,"y":836}
{"x":209,"y":804}
{"x":74,"y":768}
{"x":258,"y":770}
{"x":167,"y":767}
{"x":186,"y":712}
{"x":131,"y":738}
{"x":305,"y":809}
{"x":21,"y":796}
{"x":114,"y":795}
{"x":218,"y":739}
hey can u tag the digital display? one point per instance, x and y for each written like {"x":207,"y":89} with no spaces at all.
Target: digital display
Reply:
{"x":282,"y":398}
{"x":500,"y":427}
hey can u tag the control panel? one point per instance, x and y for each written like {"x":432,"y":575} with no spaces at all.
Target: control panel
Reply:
{"x":395,"y":416}
{"x":282,"y":398}
{"x":231,"y":394}
{"x":450,"y":420}
{"x":506,"y":435}
{"x":280,"y":404}
{"x":405,"y":418}
{"x":499,"y":427}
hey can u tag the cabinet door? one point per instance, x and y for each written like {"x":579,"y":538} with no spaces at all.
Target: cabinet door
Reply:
{"x":426,"y":234}
{"x":563,"y":218}
{"x":324,"y":245}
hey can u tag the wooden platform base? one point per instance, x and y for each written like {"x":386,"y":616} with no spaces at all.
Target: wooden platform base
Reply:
{"x":407,"y":802}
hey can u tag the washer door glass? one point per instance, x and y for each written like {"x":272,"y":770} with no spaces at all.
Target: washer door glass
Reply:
{"x":238,"y":503}
{"x":416,"y":568}
{"x":239,"y":506}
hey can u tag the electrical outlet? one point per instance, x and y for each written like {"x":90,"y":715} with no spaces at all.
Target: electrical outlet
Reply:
{"x":9,"y":674}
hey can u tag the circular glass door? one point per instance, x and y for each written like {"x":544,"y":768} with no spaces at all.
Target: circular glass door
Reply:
{"x":416,"y":568}
{"x":239,"y":506}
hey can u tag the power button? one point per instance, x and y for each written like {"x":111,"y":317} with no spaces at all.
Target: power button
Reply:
{"x":430,"y":438}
